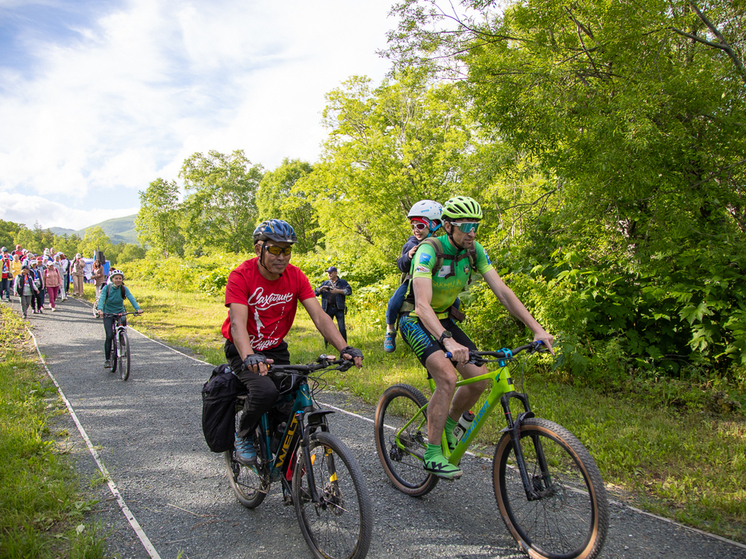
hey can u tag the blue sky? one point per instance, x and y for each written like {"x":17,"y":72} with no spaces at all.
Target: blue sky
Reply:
{"x":98,"y":99}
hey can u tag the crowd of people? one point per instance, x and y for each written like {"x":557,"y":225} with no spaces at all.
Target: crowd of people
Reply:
{"x":40,"y":281}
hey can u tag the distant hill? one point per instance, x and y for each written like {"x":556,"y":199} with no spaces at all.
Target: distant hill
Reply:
{"x":119,"y":230}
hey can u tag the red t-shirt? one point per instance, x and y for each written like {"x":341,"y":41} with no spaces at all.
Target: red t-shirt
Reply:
{"x":272,"y":304}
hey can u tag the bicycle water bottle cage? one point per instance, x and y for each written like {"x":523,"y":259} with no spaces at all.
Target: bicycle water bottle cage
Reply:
{"x":508,"y":356}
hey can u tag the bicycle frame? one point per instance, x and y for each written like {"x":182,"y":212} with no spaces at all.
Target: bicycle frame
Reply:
{"x":303,"y":420}
{"x":501,"y":391}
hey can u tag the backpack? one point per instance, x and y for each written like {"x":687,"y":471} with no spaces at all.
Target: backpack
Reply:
{"x":437,"y":245}
{"x":440,"y":256}
{"x":218,"y":408}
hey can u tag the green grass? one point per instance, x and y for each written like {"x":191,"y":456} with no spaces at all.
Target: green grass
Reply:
{"x":686,"y":465}
{"x":42,"y":512}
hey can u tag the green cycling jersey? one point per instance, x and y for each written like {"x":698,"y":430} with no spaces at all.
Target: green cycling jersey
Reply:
{"x":446,"y":285}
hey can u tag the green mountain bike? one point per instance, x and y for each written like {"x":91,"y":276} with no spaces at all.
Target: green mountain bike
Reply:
{"x":548,"y":488}
{"x":319,"y":475}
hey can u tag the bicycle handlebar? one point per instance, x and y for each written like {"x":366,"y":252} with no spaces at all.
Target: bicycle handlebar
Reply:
{"x":478,"y":357}
{"x":121,"y":313}
{"x":323,"y":362}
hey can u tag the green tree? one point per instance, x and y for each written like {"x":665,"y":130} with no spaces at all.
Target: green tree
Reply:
{"x":8,"y":232}
{"x":126,"y":252}
{"x":158,"y":223}
{"x":279,"y":198}
{"x":634,"y":114}
{"x":388,"y":148}
{"x":67,"y":244}
{"x":93,"y":240}
{"x":220,"y":206}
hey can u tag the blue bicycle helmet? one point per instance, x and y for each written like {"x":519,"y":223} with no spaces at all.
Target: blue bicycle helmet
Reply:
{"x":275,"y":230}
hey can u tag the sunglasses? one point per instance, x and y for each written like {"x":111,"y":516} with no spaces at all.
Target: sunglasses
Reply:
{"x":419,"y":226}
{"x":277,"y":251}
{"x":468,"y":226}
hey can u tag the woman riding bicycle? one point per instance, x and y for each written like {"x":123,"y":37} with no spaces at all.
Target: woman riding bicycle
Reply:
{"x":111,"y":302}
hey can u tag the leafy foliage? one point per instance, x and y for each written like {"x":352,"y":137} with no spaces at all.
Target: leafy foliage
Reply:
{"x":219,"y":208}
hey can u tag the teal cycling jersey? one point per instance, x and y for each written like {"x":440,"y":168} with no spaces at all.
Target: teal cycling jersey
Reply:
{"x":447,"y":281}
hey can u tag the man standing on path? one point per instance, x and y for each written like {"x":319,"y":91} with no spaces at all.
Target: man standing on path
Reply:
{"x":333,"y":293}
{"x":262,"y":296}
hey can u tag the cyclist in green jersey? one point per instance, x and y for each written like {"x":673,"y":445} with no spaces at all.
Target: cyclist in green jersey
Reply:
{"x":430,"y":332}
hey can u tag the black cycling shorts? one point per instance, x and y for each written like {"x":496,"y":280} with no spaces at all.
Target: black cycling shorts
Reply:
{"x":423,"y":343}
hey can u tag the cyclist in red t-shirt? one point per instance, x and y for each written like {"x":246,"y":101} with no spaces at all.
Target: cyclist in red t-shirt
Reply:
{"x":262,"y":295}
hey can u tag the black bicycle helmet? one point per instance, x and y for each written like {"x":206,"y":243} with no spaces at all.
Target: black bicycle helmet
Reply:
{"x":275,"y":230}
{"x":462,"y":207}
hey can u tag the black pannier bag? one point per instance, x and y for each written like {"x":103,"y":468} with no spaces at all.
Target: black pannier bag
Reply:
{"x":218,"y":409}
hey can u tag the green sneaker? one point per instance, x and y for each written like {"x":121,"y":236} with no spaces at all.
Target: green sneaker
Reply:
{"x":436,"y":463}
{"x":450,"y":437}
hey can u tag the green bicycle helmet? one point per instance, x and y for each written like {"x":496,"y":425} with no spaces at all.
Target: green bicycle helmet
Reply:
{"x":462,"y":207}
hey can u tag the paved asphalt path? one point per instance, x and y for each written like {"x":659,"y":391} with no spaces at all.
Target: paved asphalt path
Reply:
{"x":147,"y":432}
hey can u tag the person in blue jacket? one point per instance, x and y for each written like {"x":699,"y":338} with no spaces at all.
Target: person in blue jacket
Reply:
{"x":111,"y":301}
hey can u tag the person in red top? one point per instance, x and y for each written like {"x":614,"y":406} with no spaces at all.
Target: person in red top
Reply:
{"x":262,"y":295}
{"x":7,"y":279}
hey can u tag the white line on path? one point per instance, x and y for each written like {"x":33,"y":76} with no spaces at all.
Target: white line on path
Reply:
{"x":112,"y":487}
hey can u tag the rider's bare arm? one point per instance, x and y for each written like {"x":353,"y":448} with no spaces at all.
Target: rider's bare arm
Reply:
{"x":423,"y":295}
{"x":326,"y":327}
{"x":239,"y":317}
{"x":514,"y":306}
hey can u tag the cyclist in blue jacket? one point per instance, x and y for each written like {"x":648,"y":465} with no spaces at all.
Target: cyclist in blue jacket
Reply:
{"x":111,"y":301}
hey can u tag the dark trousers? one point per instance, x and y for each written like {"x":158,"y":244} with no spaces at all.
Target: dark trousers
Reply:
{"x":37,"y":299}
{"x":263,"y":390}
{"x":340,"y":316}
{"x":109,"y":322}
{"x":5,"y":288}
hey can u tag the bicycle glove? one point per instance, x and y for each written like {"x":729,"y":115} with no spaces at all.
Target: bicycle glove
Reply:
{"x":253,"y":360}
{"x":352,"y":352}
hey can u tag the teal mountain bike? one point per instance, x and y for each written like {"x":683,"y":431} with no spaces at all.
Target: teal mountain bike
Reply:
{"x":319,"y":475}
{"x":548,"y":488}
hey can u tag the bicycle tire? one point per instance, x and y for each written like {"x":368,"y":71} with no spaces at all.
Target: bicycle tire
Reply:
{"x":249,"y":483}
{"x":340,"y":525}
{"x":124,"y":355}
{"x":403,"y":466}
{"x":571,"y":518}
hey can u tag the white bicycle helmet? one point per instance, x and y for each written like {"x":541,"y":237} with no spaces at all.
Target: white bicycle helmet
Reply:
{"x":115,"y":272}
{"x":428,"y":209}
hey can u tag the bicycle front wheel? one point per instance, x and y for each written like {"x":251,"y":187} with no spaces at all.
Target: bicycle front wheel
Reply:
{"x":124,"y":355}
{"x":340,"y":523}
{"x":401,"y":439}
{"x":569,"y":516}
{"x":249,"y":483}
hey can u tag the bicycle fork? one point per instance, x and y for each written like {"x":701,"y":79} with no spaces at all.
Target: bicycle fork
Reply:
{"x":536,"y":487}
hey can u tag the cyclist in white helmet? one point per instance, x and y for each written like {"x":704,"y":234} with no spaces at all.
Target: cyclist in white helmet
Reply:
{"x":110,"y":302}
{"x":424,"y":218}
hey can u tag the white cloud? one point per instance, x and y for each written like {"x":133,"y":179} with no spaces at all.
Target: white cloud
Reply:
{"x":93,"y":115}
{"x":30,"y":210}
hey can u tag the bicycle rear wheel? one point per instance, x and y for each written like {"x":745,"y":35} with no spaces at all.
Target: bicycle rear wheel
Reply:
{"x":570,"y":517}
{"x":401,"y":439}
{"x":340,"y":524}
{"x":124,"y":355}
{"x":249,"y":483}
